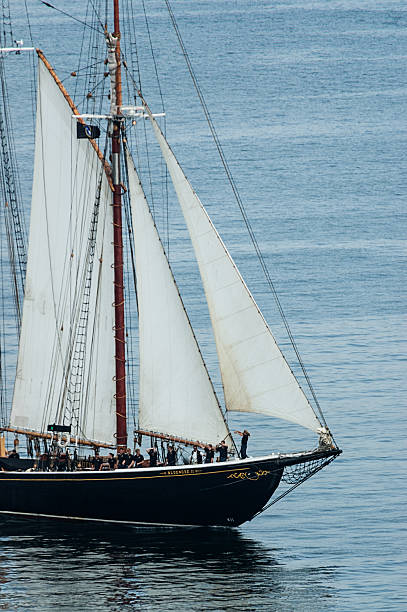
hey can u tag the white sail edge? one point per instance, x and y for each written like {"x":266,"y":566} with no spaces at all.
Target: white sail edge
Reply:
{"x":255,"y":375}
{"x":65,"y":180}
{"x":176,"y":395}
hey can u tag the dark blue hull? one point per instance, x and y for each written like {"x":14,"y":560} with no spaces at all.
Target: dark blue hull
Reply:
{"x":218,"y":494}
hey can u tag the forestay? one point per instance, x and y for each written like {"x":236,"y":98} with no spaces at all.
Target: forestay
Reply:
{"x":176,"y":394}
{"x":67,"y":172}
{"x":255,"y":375}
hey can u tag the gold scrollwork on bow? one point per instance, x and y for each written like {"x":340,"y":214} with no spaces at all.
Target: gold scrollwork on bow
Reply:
{"x":249,"y":475}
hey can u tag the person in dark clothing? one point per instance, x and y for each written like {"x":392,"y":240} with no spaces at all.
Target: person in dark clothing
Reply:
{"x":62,"y":463}
{"x":153,"y":452}
{"x":13,"y":454}
{"x":97,"y":462}
{"x":124,"y":459}
{"x":245,"y":438}
{"x":138,"y":458}
{"x":129,"y":459}
{"x":171,"y":455}
{"x":44,"y":462}
{"x":209,"y":453}
{"x":222,"y":449}
{"x":111,"y":461}
{"x":120,"y":458}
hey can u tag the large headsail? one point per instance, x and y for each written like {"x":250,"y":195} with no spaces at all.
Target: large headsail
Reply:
{"x":255,"y":375}
{"x":66,"y":353}
{"x":176,"y":394}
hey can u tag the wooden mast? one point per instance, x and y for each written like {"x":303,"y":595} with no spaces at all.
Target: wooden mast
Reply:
{"x":120,"y":357}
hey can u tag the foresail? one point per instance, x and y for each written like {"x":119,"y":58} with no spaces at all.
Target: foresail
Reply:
{"x":66,"y":354}
{"x":176,"y":394}
{"x":255,"y":375}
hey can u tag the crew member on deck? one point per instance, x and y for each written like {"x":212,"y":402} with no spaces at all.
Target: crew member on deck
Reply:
{"x":13,"y":454}
{"x":129,"y":459}
{"x":97,"y":462}
{"x":209,"y":453}
{"x":111,"y":461}
{"x":125,"y":458}
{"x":153,"y":452}
{"x":243,"y":448}
{"x":196,"y":455}
{"x":121,"y":457}
{"x":222,"y":449}
{"x":171,"y":455}
{"x":138,"y":458}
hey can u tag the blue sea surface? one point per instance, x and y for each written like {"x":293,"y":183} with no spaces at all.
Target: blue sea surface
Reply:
{"x":309,"y":100}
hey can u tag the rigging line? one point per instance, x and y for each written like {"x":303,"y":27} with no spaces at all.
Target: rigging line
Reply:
{"x":153,"y":58}
{"x":71,"y":16}
{"x":79,"y":60}
{"x":77,"y":348}
{"x":131,"y":234}
{"x":165,"y":186}
{"x":11,"y":187}
{"x":7,"y":22}
{"x":83,"y":416}
{"x":3,"y":388}
{"x":80,"y":189}
{"x":134,"y":44}
{"x":93,"y":49}
{"x":297,"y":484}
{"x":32,"y":61}
{"x":150,"y":176}
{"x":28,"y":23}
{"x":94,"y":353}
{"x":242,"y":210}
{"x":93,"y":65}
{"x":86,"y":95}
{"x":106,"y":10}
{"x":13,"y":271}
{"x":130,"y":294}
{"x":97,"y":14}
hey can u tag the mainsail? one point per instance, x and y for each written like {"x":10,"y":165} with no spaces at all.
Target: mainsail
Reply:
{"x":66,"y":337}
{"x":176,"y":394}
{"x":255,"y":374}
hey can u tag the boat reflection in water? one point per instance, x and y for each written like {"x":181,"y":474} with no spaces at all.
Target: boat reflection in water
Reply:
{"x":91,"y":568}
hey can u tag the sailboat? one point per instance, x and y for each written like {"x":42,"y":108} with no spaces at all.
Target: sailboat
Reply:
{"x":70,"y":396}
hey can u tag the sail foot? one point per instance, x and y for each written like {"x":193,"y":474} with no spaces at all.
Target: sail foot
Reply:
{"x":168,"y":437}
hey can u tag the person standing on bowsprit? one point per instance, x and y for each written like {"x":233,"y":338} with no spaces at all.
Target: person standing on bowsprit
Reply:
{"x":245,"y":438}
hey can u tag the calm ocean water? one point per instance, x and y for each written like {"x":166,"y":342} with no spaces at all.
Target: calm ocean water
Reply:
{"x":310,"y":102}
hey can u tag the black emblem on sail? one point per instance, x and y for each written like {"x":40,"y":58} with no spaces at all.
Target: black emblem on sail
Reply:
{"x":87,"y":131}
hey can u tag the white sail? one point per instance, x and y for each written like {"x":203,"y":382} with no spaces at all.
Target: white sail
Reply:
{"x":66,"y":336}
{"x":255,"y":375}
{"x":176,"y":394}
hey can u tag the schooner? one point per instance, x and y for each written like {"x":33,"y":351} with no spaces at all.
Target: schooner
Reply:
{"x":70,"y":390}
